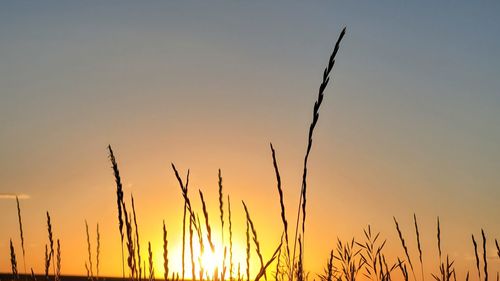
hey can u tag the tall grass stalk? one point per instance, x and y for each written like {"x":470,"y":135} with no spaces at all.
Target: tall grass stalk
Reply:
{"x":439,"y":239}
{"x":47,"y":262}
{"x":137,"y":244}
{"x":131,"y":262}
{"x":476,"y":256}
{"x":98,"y":251}
{"x":183,"y":241}
{"x":317,"y":104}
{"x":184,"y":225}
{"x":184,"y":189}
{"x":165,"y":252}
{"x":282,"y":203}
{"x":207,"y":222}
{"x":231,"y":240}
{"x":402,"y":240}
{"x":119,"y":201}
{"x":498,"y":248}
{"x":193,"y":270}
{"x":221,"y":206}
{"x":150,"y":260}
{"x":485,"y":259}
{"x":221,"y":210}
{"x":21,"y":233}
{"x":58,"y":270}
{"x":255,"y":238}
{"x":51,"y":242}
{"x":13,"y":261}
{"x":89,"y":251}
{"x":419,"y":246}
{"x":247,"y":252}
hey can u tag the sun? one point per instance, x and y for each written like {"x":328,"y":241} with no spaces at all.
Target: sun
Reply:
{"x":212,"y":262}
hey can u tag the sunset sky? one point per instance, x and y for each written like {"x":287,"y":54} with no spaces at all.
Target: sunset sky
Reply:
{"x":410,"y":122}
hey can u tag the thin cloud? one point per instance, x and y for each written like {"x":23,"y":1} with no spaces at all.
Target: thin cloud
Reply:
{"x":13,"y":196}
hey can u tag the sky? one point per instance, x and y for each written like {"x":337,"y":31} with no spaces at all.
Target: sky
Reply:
{"x":410,"y":122}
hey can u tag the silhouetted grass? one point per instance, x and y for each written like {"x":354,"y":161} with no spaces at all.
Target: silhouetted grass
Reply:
{"x":98,"y":251}
{"x":89,"y":252}
{"x":21,"y":235}
{"x":13,"y":261}
{"x":58,"y":259}
{"x":150,"y":262}
{"x":345,"y":262}
{"x":317,"y":105}
{"x":137,"y":243}
{"x":402,"y":240}
{"x":231,"y":239}
{"x":165,"y":252}
{"x":119,"y":200}
{"x":419,"y":246}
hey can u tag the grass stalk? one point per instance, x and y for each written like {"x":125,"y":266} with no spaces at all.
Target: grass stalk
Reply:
{"x":402,"y":240}
{"x":137,"y":244}
{"x":193,"y":270}
{"x":255,"y":238}
{"x":282,"y":203}
{"x":98,"y":251}
{"x":317,"y":104}
{"x":131,"y":262}
{"x":221,"y":210}
{"x":485,"y":259}
{"x":119,"y":201}
{"x":19,"y":218}
{"x":58,"y":270}
{"x":247,"y":252}
{"x":419,"y":246}
{"x":47,"y":262}
{"x":439,"y":239}
{"x":498,"y":248}
{"x":13,"y":261}
{"x":150,"y":260}
{"x":221,"y":206}
{"x":89,"y":251}
{"x":207,"y":222}
{"x":231,"y":240}
{"x":476,"y":256}
{"x":183,"y":240}
{"x":51,"y":242}
{"x":165,"y":252}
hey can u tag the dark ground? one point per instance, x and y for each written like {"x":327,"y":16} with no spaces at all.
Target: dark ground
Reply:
{"x":8,"y":277}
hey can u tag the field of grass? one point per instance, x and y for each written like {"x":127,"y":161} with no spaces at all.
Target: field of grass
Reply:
{"x":355,"y":259}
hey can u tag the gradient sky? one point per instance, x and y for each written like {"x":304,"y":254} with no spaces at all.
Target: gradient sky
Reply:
{"x":411,"y":122}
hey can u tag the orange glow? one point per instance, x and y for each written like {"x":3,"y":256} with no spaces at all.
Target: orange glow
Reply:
{"x":210,"y":261}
